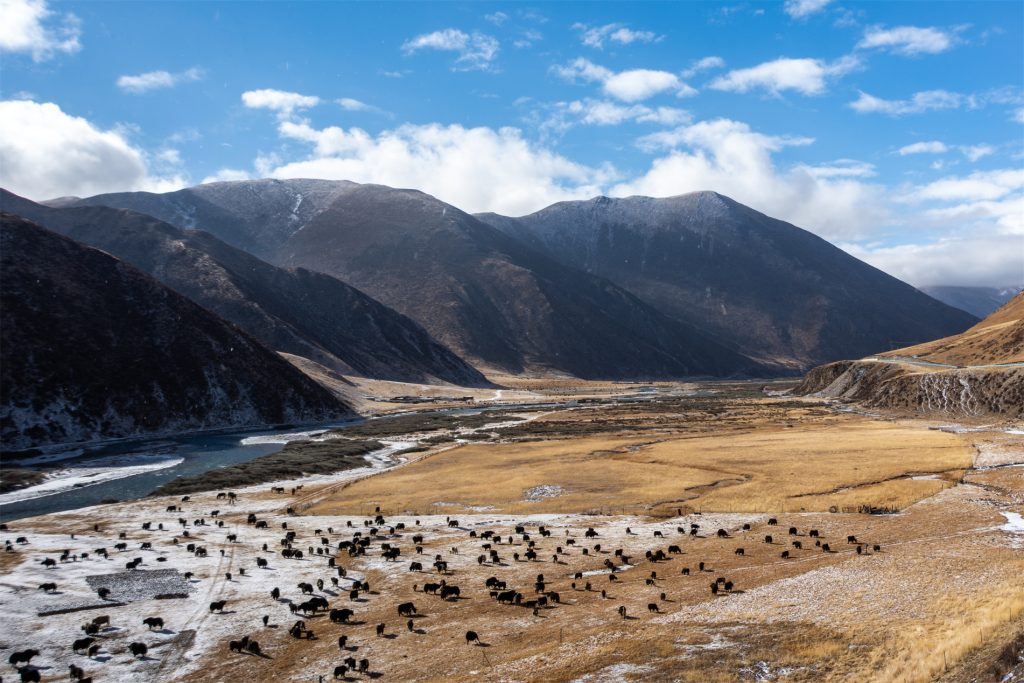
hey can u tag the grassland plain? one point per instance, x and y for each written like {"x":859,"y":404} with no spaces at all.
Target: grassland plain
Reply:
{"x":793,"y":457}
{"x":940,"y":597}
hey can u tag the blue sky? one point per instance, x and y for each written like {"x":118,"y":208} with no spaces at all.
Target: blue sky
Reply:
{"x":895,"y":130}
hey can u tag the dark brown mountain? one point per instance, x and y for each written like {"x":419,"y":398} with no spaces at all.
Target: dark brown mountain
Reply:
{"x":93,"y":348}
{"x":777,"y":293}
{"x":297,"y":311}
{"x":496,"y":301}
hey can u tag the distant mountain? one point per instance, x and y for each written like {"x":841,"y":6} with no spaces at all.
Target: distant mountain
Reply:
{"x":978,"y":301}
{"x":498,"y":302}
{"x":775,"y":292}
{"x":977,"y":372}
{"x":296,"y":311}
{"x":93,"y":348}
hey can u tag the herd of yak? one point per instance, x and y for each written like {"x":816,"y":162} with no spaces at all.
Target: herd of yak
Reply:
{"x":377,"y":536}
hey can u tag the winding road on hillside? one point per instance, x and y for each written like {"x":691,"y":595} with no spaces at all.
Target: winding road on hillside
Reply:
{"x":907,"y":360}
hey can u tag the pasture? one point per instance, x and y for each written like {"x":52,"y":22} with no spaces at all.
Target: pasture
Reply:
{"x":742,"y":465}
{"x":830,"y":596}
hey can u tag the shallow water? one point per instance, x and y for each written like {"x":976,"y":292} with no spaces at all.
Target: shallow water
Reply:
{"x":193,"y":455}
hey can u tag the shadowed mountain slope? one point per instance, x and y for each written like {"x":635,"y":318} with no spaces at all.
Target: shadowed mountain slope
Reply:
{"x":775,"y":292}
{"x":93,"y":348}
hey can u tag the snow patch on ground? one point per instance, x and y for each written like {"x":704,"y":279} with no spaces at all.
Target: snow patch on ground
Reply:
{"x":615,"y":673}
{"x":541,"y":492}
{"x":102,"y":470}
{"x":284,"y":437}
{"x":1014,"y":523}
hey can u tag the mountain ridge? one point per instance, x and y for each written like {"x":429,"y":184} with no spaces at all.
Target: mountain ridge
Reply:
{"x":491,"y":298}
{"x":772,"y":290}
{"x":298,"y":311}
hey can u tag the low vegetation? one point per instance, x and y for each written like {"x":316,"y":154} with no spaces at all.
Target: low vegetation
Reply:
{"x":14,"y":478}
{"x":296,"y":459}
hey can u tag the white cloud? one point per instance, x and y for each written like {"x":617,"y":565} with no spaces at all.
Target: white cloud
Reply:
{"x":977,"y":186}
{"x":30,"y":26}
{"x":477,"y":51}
{"x":1018,"y":115}
{"x":907,"y":40}
{"x":975,"y":152}
{"x":639,"y":84}
{"x":46,"y":153}
{"x":476,"y":169}
{"x":227,"y":174}
{"x":807,"y":76}
{"x":799,"y":9}
{"x":840,"y":168}
{"x":979,"y":259}
{"x":282,"y":102}
{"x":931,"y":147}
{"x":595,"y":36}
{"x":154,"y":80}
{"x":496,"y":18}
{"x":918,"y":102}
{"x":703,"y":64}
{"x":632,"y":85}
{"x":528,"y":38}
{"x":730,"y":158}
{"x":607,"y":113}
{"x":350,"y":104}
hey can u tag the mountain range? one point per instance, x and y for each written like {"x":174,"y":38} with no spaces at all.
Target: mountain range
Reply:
{"x":296,"y":311}
{"x":613,"y":288}
{"x":94,"y":348}
{"x":499,"y":303}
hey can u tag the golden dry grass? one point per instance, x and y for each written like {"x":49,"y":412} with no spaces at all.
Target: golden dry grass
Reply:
{"x":850,"y":462}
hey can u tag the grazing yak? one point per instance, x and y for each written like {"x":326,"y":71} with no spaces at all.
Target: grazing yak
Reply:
{"x":48,"y":587}
{"x":18,"y":659}
{"x":472,"y":636}
{"x":138,"y":649}
{"x":406,"y":609}
{"x":153,"y":623}
{"x":82,"y":644}
{"x":340,"y":616}
{"x":218,"y":606}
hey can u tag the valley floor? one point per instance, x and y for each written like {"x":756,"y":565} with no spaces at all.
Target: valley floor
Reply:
{"x":941,"y":596}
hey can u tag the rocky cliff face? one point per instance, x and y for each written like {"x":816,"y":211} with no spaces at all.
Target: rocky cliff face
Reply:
{"x":958,"y":392}
{"x":92,"y":348}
